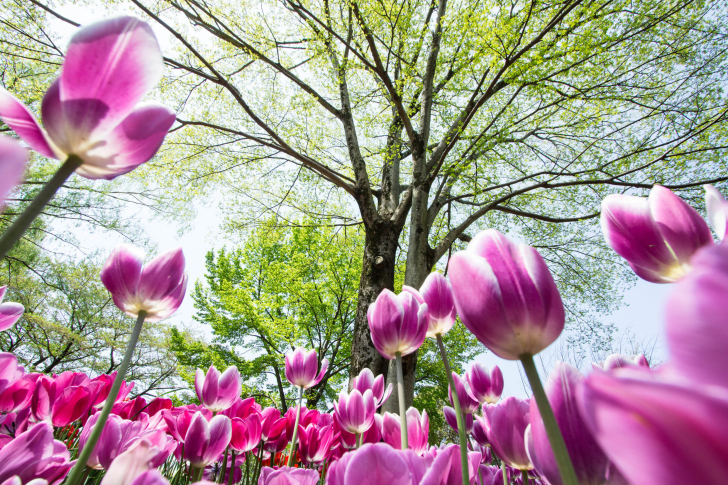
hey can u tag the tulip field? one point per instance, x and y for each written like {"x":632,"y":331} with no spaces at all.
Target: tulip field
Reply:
{"x":622,"y":421}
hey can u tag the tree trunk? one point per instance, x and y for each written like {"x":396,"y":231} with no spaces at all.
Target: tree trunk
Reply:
{"x":380,"y":251}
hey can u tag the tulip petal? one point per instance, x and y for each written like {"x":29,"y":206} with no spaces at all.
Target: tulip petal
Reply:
{"x":717,"y":208}
{"x":162,"y":275}
{"x":322,"y":373}
{"x":121,"y":272}
{"x":13,"y":158}
{"x":379,"y":464}
{"x":23,"y":123}
{"x":220,"y":435}
{"x":130,"y":464}
{"x":9,"y":314}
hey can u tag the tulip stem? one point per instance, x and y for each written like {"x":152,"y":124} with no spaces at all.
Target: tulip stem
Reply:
{"x":232,"y":469}
{"x":524,"y":474}
{"x":556,"y":440}
{"x":292,"y":456}
{"x":221,"y":477}
{"x":505,"y":472}
{"x":462,"y":435}
{"x":21,"y":224}
{"x":80,"y":466}
{"x":197,"y":474}
{"x":400,"y":396}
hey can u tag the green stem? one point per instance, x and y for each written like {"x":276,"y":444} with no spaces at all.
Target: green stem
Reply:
{"x":197,"y":474}
{"x":505,"y":472}
{"x":21,"y":224}
{"x":462,"y":434}
{"x":221,"y":478}
{"x":358,"y":440}
{"x":556,"y":440}
{"x":78,"y":468}
{"x":247,"y":467}
{"x":524,"y":474}
{"x":292,"y":456}
{"x":400,"y":395}
{"x":232,"y":470}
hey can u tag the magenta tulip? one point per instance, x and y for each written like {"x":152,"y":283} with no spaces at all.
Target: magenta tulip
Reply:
{"x":287,"y":476}
{"x":506,"y":296}
{"x":366,"y":381}
{"x":9,"y":312}
{"x":468,"y":403}
{"x":590,"y":462}
{"x":242,"y":408}
{"x":156,"y":288}
{"x":717,"y":208}
{"x":436,"y":292}
{"x":10,"y":371}
{"x":657,"y":236}
{"x":418,"y":430}
{"x":13,"y":158}
{"x":205,"y":442}
{"x":617,"y":361}
{"x":485,"y":385}
{"x":398,"y":323}
{"x":507,"y":422}
{"x":315,"y":443}
{"x":657,"y":430}
{"x":133,"y":466}
{"x":481,"y":428}
{"x":216,"y":391}
{"x":246,"y":433}
{"x":273,"y":425}
{"x":35,"y":454}
{"x":354,"y":411}
{"x":71,"y":404}
{"x":447,"y":469}
{"x":301,"y":367}
{"x":178,"y":421}
{"x":451,"y":419}
{"x":377,"y":464}
{"x":92,"y":111}
{"x":308,"y":416}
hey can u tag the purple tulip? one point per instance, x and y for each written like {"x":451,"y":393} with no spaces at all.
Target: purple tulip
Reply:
{"x":657,"y":236}
{"x":134,"y":466}
{"x":354,"y":411}
{"x":9,"y":312}
{"x":486,"y":386}
{"x":205,"y":442}
{"x":35,"y":454}
{"x":13,"y":158}
{"x":717,"y":208}
{"x":365,"y":380}
{"x":697,"y":333}
{"x":378,"y":464}
{"x":468,"y":403}
{"x":301,"y":367}
{"x":246,"y":433}
{"x":590,"y":462}
{"x":507,"y":422}
{"x":398,"y":323}
{"x":217,"y":392}
{"x":451,"y":419}
{"x":481,"y":428}
{"x":287,"y":476}
{"x":157,"y":288}
{"x":447,"y":470}
{"x":658,"y":430}
{"x":436,"y":292}
{"x":92,"y":110}
{"x":418,"y":430}
{"x":315,"y":443}
{"x":506,"y":296}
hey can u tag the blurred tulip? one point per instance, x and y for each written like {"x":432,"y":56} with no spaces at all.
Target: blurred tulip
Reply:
{"x":481,"y":427}
{"x":398,"y":323}
{"x":354,"y":411}
{"x":10,"y":371}
{"x":447,"y":468}
{"x":246,"y":433}
{"x":377,"y":464}
{"x":216,"y":391}
{"x":9,"y":312}
{"x":418,"y":430}
{"x":35,"y":454}
{"x":657,"y":430}
{"x":92,"y":111}
{"x":315,"y":443}
{"x":506,"y":296}
{"x":657,"y":236}
{"x":451,"y":419}
{"x":301,"y":367}
{"x":157,"y":287}
{"x":132,"y":465}
{"x":717,"y":208}
{"x":590,"y":462}
{"x":13,"y":159}
{"x":485,"y":385}
{"x":18,"y":396}
{"x":507,"y":422}
{"x":617,"y":361}
{"x":366,"y":380}
{"x":468,"y":403}
{"x":287,"y":476}
{"x":205,"y":442}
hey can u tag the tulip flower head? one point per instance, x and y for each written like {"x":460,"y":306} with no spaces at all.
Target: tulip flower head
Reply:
{"x":657,"y":236}
{"x":9,"y":312}
{"x":13,"y":158}
{"x":506,"y":296}
{"x":35,"y":454}
{"x":205,"y":442}
{"x":507,"y":422}
{"x":418,"y":430}
{"x":355,"y":411}
{"x":91,"y":111}
{"x":246,"y":433}
{"x":398,"y":323}
{"x":468,"y":402}
{"x":451,"y":419}
{"x":156,"y":288}
{"x":377,"y":464}
{"x":436,"y":293}
{"x":301,"y":367}
{"x":217,"y":392}
{"x":366,"y":380}
{"x":288,"y":476}
{"x":315,"y":443}
{"x":485,"y":385}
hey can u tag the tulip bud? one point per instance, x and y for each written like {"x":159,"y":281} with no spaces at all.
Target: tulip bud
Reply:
{"x":365,"y":380}
{"x":418,"y":430}
{"x":217,"y":392}
{"x":301,"y":367}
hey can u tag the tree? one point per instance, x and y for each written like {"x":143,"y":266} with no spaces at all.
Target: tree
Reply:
{"x":438,"y":118}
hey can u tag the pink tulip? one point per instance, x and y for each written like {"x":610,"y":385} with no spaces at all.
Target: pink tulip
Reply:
{"x":481,"y":428}
{"x":486,"y":386}
{"x":216,"y":391}
{"x":354,"y":411}
{"x":656,"y":429}
{"x":13,"y":158}
{"x":178,"y":423}
{"x":132,"y":465}
{"x":315,"y":443}
{"x":18,"y":395}
{"x":156,"y":288}
{"x":418,"y":430}
{"x":71,"y":404}
{"x":10,"y":371}
{"x":35,"y":454}
{"x":273,"y":425}
{"x":506,"y":296}
{"x":447,"y":470}
{"x":287,"y":476}
{"x":366,"y":380}
{"x":451,"y":419}
{"x":398,"y":323}
{"x":308,"y":416}
{"x":468,"y":403}
{"x":348,"y":440}
{"x":617,"y":361}
{"x":301,"y":367}
{"x":436,"y":292}
{"x":507,"y":422}
{"x":377,"y":464}
{"x":246,"y":433}
{"x":242,"y":408}
{"x":9,"y":312}
{"x":92,"y":111}
{"x":657,"y":236}
{"x":717,"y":208}
{"x":205,"y":442}
{"x":590,"y":462}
